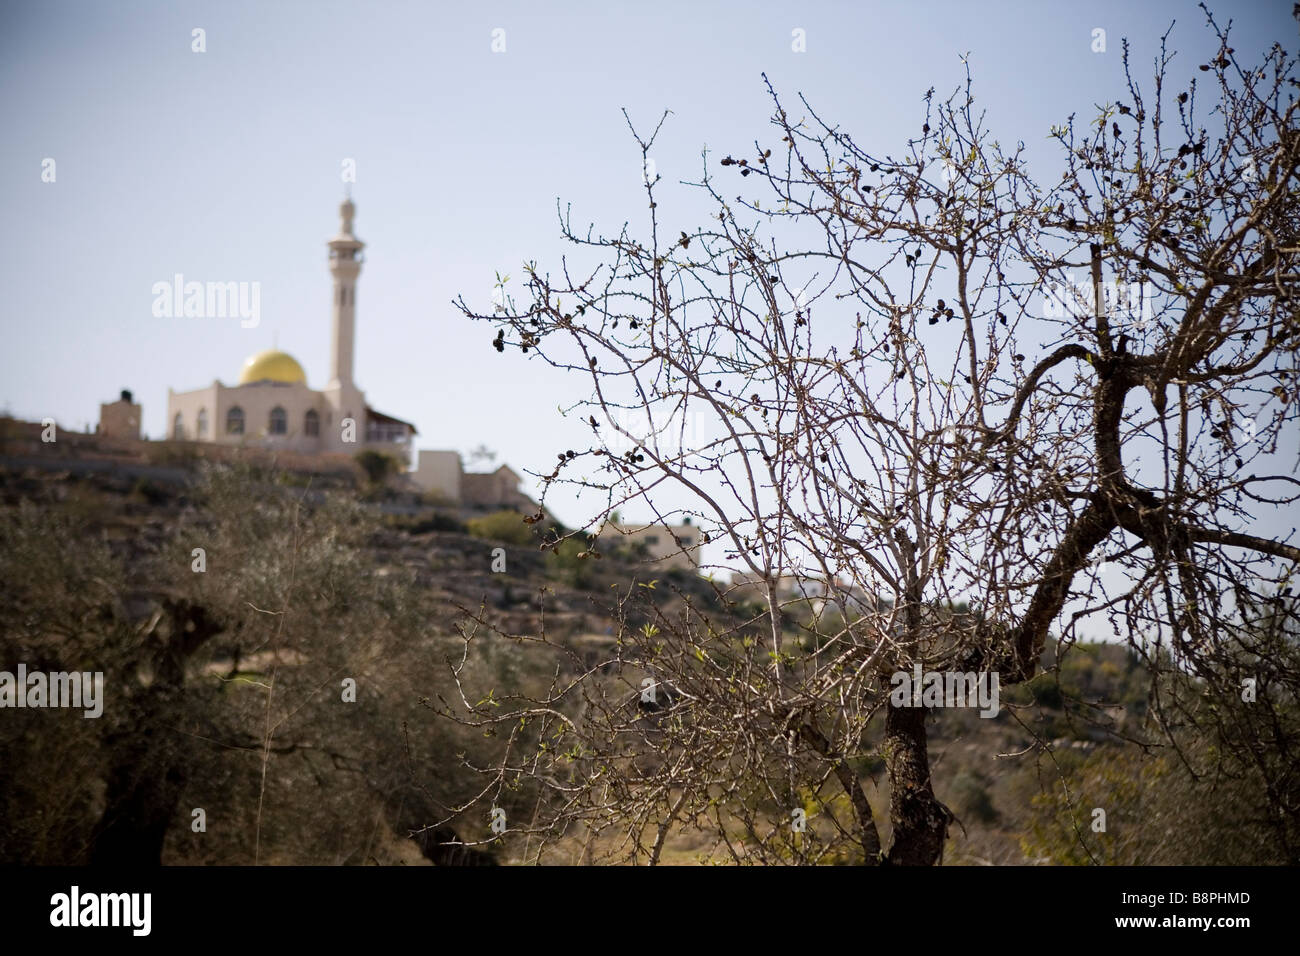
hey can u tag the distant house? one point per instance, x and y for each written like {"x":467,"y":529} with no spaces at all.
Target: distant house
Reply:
{"x":120,"y":419}
{"x":497,"y":488}
{"x":443,"y":473}
{"x":667,"y":546}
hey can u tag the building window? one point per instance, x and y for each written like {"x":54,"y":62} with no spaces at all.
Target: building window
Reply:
{"x":685,"y":540}
{"x":201,"y":426}
{"x":389,"y":432}
{"x":178,"y":427}
{"x":652,"y":539}
{"x":279,"y":424}
{"x":235,"y":421}
{"x":311,"y":423}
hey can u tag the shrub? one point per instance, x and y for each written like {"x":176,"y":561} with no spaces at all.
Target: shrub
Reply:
{"x":438,"y":521}
{"x":1046,"y":691}
{"x":971,"y":798}
{"x":149,"y":491}
{"x":507,"y":526}
{"x":573,"y":570}
{"x":377,"y":465}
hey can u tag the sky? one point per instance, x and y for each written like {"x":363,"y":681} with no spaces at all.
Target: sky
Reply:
{"x":226,"y":165}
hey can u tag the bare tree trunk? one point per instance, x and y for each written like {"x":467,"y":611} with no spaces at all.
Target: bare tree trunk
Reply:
{"x":920,"y":820}
{"x":145,"y":780}
{"x":148,"y":761}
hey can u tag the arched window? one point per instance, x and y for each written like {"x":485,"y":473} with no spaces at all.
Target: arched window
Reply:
{"x":178,"y":427}
{"x":235,"y":421}
{"x":201,"y":426}
{"x":311,"y":423}
{"x":279,"y":424}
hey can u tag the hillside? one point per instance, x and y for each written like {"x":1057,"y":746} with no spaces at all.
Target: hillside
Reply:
{"x":227,"y":687}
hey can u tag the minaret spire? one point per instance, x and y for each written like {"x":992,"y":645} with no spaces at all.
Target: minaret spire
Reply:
{"x":345,"y":265}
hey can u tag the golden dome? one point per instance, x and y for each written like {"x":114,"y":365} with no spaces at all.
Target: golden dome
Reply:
{"x":272,"y":366}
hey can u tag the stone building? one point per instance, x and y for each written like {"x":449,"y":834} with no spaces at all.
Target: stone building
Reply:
{"x":668,"y":546}
{"x":120,"y":419}
{"x":443,"y":475}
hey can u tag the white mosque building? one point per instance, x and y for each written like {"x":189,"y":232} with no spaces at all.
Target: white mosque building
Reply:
{"x":271,"y":406}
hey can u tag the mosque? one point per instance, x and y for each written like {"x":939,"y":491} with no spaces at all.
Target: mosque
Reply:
{"x":272,"y":406}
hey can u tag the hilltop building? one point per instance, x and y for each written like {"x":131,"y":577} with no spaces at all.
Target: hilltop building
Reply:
{"x":271,"y":405}
{"x":120,"y":419}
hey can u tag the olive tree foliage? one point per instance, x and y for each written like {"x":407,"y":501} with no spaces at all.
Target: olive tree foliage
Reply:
{"x":262,"y":645}
{"x":877,"y":372}
{"x":60,"y":609}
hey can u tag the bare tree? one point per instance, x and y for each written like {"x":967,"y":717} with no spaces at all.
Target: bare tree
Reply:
{"x":836,"y":373}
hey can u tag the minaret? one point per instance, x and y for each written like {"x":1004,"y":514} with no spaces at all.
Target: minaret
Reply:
{"x":345,"y":400}
{"x":345,"y":265}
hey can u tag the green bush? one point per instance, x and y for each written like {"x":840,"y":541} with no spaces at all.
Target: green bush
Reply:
{"x":507,"y":526}
{"x":1046,"y":691}
{"x":971,"y":798}
{"x":377,"y":465}
{"x":573,"y":570}
{"x":150,"y":492}
{"x":422,"y":524}
{"x":438,"y":521}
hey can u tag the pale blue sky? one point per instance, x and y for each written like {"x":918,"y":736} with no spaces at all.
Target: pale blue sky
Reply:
{"x":225,"y":165}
